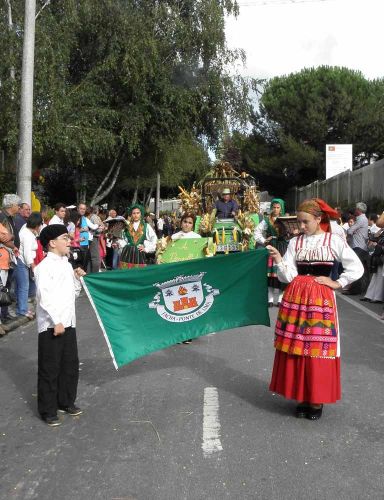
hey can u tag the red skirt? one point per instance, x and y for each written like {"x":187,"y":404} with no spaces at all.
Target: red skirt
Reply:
{"x":314,"y":380}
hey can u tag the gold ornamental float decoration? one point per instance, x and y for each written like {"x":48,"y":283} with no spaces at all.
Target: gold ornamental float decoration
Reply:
{"x":190,"y":201}
{"x":247,"y":226}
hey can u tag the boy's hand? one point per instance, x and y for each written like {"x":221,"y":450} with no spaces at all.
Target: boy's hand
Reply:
{"x":79,"y":273}
{"x":58,"y":329}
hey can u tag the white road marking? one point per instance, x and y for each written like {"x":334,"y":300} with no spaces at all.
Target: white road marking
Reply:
{"x":211,"y":424}
{"x":362,"y":308}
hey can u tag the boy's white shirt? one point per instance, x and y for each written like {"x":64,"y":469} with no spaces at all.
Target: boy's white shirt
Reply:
{"x":56,"y":291}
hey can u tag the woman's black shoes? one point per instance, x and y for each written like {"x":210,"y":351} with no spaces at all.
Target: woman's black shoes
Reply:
{"x":314,"y":413}
{"x":307,"y":411}
{"x":302,"y":410}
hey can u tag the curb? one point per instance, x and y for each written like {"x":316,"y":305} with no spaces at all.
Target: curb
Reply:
{"x":12,"y":325}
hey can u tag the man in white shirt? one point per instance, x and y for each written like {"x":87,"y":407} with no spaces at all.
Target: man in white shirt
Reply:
{"x":358,"y":234}
{"x":160,"y":227}
{"x":57,"y":287}
{"x":58,"y":218}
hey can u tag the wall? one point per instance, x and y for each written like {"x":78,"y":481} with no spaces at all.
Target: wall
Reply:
{"x":365,"y":184}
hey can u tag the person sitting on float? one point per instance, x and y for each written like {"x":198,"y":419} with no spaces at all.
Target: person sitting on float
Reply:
{"x":137,"y":240}
{"x":226,"y":207}
{"x":187,"y":222}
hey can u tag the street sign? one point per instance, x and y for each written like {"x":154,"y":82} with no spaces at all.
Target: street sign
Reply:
{"x":338,"y":159}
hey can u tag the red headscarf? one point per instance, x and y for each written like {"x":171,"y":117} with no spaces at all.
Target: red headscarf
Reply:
{"x":318,"y":208}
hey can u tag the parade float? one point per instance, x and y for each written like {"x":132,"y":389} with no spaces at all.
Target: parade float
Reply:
{"x":218,"y":235}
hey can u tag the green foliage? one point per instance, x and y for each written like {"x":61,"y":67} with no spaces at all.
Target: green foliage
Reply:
{"x":299,"y":114}
{"x":122,"y":78}
{"x":7,"y":183}
{"x":179,"y":163}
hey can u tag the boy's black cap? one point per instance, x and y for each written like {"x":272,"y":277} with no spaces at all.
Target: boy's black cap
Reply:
{"x":51,"y":232}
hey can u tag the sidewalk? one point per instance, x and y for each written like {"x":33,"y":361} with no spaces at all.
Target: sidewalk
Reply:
{"x":13,"y":324}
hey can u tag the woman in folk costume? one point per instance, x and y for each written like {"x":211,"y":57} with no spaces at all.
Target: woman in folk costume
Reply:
{"x":138,"y":240}
{"x":307,"y":358}
{"x":268,"y":233}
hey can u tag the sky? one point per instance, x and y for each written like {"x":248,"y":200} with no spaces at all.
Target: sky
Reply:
{"x":281,"y":37}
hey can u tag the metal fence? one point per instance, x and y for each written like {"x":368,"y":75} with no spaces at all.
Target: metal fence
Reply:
{"x":344,"y":190}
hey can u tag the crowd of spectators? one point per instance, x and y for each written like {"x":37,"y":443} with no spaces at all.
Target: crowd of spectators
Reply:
{"x":94,"y":234}
{"x":95,"y":245}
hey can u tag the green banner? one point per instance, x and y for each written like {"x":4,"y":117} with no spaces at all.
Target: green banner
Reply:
{"x":184,"y":249}
{"x":143,"y":310}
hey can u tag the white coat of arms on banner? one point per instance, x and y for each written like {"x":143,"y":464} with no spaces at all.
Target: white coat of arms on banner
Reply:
{"x":184,"y":298}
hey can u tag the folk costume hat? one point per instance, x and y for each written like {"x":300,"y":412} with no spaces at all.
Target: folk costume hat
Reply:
{"x":318,"y":208}
{"x":281,"y":203}
{"x":51,"y":232}
{"x":136,"y":205}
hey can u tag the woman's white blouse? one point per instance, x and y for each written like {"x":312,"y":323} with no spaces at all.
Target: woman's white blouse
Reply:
{"x":260,"y":232}
{"x":28,"y":246}
{"x":313,"y":249}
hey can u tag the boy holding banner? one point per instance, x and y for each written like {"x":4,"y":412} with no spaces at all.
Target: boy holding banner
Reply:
{"x":57,"y":287}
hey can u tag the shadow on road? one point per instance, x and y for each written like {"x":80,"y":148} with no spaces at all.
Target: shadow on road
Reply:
{"x":213,"y":369}
{"x":23,"y":373}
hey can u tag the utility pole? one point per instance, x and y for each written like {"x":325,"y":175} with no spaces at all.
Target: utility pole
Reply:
{"x":157,"y":199}
{"x":24,"y":164}
{"x":10,"y":26}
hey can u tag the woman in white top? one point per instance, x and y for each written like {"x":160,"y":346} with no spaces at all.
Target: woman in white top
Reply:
{"x":187,"y":222}
{"x":307,"y":358}
{"x":25,"y":285}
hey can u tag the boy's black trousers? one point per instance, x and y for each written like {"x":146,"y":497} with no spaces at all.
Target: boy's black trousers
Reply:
{"x":58,"y":371}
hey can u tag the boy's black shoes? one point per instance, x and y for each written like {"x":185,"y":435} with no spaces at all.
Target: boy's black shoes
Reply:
{"x":71,"y":410}
{"x":52,"y":421}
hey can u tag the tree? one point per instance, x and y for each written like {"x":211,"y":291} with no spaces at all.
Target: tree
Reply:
{"x":116,"y":80}
{"x":299,"y":114}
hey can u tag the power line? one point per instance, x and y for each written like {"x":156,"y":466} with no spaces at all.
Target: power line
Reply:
{"x":258,"y":3}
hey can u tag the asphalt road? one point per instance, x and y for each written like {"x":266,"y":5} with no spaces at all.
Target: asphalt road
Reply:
{"x":194,"y":422}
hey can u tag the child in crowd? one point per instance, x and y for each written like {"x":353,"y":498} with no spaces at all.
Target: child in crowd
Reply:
{"x":187,"y":224}
{"x":57,"y":287}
